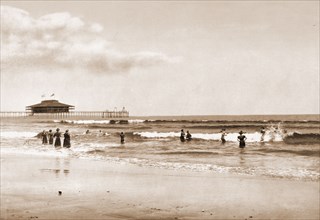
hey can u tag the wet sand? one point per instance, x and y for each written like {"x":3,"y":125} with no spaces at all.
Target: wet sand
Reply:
{"x":109,"y":190}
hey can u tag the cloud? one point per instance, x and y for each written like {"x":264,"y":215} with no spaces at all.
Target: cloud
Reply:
{"x":60,"y":40}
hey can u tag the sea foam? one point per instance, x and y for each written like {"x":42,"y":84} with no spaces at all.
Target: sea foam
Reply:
{"x":251,"y":137}
{"x":17,"y":134}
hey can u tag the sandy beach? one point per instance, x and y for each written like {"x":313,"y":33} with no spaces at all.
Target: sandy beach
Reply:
{"x":91,"y":189}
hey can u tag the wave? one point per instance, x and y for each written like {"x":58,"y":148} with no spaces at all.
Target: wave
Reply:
{"x":230,"y":126}
{"x":297,"y":138}
{"x":230,"y":122}
{"x":95,"y":151}
{"x":233,"y":137}
{"x":17,"y":134}
{"x":299,"y":173}
{"x":136,"y":121}
{"x":189,"y":152}
{"x":315,"y":153}
{"x":234,"y":121}
{"x":270,"y":136}
{"x":82,"y":121}
{"x":88,"y":122}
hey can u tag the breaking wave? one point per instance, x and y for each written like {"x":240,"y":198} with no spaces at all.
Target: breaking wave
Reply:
{"x":82,"y":121}
{"x":251,"y":137}
{"x":17,"y":134}
{"x":297,"y":138}
{"x":233,"y":123}
{"x":293,"y":138}
{"x":315,"y":153}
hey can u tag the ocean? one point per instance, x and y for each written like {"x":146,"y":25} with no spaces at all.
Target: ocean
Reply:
{"x":290,"y":148}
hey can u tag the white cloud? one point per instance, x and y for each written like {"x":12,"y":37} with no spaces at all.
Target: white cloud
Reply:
{"x":60,"y":40}
{"x":95,"y":27}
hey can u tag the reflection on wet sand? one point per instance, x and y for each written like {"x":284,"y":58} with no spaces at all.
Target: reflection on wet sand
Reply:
{"x":242,"y":160}
{"x":62,"y":165}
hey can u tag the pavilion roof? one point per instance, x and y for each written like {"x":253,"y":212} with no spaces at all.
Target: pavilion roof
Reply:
{"x":50,"y":103}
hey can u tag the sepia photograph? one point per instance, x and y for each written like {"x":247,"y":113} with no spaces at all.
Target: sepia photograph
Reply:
{"x":160,"y":109}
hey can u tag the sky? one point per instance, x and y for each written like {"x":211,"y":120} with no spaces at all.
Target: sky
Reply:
{"x":161,"y":57}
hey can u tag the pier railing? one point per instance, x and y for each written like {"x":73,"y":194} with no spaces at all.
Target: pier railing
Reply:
{"x":73,"y":114}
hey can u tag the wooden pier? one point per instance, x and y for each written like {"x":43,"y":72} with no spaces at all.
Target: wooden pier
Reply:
{"x":62,"y":115}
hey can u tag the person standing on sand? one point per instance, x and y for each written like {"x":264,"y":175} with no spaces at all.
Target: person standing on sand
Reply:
{"x":182,"y":134}
{"x":223,"y":135}
{"x":242,"y":140}
{"x":57,"y":135}
{"x":50,"y":135}
{"x":44,"y":137}
{"x":189,"y":137}
{"x":66,"y":141}
{"x":122,"y":137}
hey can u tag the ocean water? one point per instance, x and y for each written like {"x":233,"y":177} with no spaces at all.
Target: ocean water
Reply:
{"x":290,"y":148}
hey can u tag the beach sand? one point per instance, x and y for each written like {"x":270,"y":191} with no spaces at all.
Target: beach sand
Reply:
{"x":109,"y":190}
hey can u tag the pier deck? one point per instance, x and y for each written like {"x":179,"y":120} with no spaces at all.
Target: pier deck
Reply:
{"x":62,"y":115}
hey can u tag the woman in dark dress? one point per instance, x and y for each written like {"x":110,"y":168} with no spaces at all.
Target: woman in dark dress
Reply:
{"x":50,"y":135}
{"x":44,"y":137}
{"x":57,"y":135}
{"x":182,"y":136}
{"x":223,"y":135}
{"x":189,"y":137}
{"x":122,"y":137}
{"x":66,"y":141}
{"x":242,"y":140}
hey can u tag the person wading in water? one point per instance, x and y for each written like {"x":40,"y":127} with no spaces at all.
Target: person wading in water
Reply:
{"x":223,"y":135}
{"x":122,"y":137}
{"x":57,"y":135}
{"x":242,"y":140}
{"x":182,"y":134}
{"x":44,"y":137}
{"x":50,"y":135}
{"x":189,"y":137}
{"x":66,"y":141}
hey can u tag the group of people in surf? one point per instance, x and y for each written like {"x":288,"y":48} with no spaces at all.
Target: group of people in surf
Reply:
{"x":241,"y":138}
{"x":101,"y":133}
{"x":55,"y":138}
{"x":184,"y":137}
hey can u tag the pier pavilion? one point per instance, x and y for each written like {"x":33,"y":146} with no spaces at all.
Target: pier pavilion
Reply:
{"x":49,"y":106}
{"x":55,"y":109}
